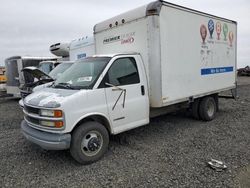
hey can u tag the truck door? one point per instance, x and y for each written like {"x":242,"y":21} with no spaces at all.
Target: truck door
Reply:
{"x":126,"y":94}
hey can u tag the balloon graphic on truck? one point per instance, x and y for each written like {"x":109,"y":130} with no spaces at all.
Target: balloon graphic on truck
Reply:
{"x":231,"y":38}
{"x":225,"y":31}
{"x":203,"y":32}
{"x":218,"y":30}
{"x":211,"y":28}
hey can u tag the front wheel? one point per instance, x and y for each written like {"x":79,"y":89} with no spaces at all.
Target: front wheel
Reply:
{"x":89,"y":142}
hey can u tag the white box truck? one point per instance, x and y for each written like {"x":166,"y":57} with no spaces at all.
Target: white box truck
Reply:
{"x":155,"y":59}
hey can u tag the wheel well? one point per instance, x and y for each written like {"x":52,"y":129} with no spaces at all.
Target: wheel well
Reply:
{"x":98,"y":118}
{"x":215,"y":96}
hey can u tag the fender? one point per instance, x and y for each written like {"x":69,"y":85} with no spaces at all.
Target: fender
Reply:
{"x":108,"y":125}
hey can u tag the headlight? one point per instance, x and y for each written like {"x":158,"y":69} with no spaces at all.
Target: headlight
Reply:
{"x":51,"y":113}
{"x":56,"y":124}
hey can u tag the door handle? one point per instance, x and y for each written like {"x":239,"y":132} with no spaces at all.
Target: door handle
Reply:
{"x":142,"y":90}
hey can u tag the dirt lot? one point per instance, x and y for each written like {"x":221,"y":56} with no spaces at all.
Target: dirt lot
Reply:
{"x":171,"y":151}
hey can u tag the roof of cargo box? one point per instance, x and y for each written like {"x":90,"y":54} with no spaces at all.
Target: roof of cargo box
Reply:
{"x":150,"y":9}
{"x":81,"y":42}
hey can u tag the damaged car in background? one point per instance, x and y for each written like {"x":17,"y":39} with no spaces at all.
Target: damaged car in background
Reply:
{"x":41,"y":78}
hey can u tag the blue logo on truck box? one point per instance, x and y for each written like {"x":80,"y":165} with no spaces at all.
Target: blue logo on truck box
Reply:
{"x":216,"y":70}
{"x":81,"y":56}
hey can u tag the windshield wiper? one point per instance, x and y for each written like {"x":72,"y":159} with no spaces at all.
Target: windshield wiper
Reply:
{"x":52,"y":85}
{"x":64,"y":86}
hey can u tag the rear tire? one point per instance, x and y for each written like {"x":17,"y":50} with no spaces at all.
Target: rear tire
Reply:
{"x":89,"y":142}
{"x":195,"y":109}
{"x":207,"y":108}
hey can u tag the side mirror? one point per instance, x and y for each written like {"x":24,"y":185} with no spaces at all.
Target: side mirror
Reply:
{"x":115,"y":87}
{"x":110,"y":85}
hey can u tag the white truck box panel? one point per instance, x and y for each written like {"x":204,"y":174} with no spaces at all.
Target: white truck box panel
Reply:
{"x":136,"y":36}
{"x":81,"y":48}
{"x":130,"y":37}
{"x":186,"y":61}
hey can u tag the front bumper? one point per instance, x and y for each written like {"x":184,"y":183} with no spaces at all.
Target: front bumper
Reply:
{"x":48,"y":141}
{"x":21,"y":103}
{"x":25,"y":93}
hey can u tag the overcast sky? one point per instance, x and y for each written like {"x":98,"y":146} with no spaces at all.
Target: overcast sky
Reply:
{"x":29,"y":27}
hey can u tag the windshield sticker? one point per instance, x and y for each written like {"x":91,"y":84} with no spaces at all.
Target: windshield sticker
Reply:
{"x":85,"y":79}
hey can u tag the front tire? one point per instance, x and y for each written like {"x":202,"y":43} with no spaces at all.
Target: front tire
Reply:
{"x":89,"y":142}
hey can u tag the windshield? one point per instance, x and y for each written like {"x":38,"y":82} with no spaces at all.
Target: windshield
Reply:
{"x":56,"y":72}
{"x":46,"y":67}
{"x":82,"y":74}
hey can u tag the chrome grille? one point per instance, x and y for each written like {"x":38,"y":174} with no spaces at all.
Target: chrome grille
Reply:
{"x":32,"y":120}
{"x":31,"y":110}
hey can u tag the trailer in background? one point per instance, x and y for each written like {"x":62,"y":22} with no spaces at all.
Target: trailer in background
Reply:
{"x":15,"y":77}
{"x":2,"y":75}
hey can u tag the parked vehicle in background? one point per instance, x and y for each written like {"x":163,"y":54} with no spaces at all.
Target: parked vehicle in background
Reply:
{"x":48,"y":66}
{"x":3,"y":78}
{"x":15,"y":77}
{"x":81,"y":48}
{"x":156,"y":59}
{"x":41,"y":77}
{"x":60,"y":50}
{"x":244,"y":71}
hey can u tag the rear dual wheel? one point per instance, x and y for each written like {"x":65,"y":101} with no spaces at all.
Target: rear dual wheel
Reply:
{"x":205,"y":108}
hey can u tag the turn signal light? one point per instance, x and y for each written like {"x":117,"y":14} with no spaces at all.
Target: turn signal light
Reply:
{"x":58,"y":113}
{"x":58,"y":124}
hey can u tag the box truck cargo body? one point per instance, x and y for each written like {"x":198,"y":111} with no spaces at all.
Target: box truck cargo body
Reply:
{"x":151,"y":60}
{"x":186,"y":53}
{"x":81,"y":48}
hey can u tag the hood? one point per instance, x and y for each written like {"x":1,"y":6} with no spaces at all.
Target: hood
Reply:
{"x":37,"y":73}
{"x":49,"y":97}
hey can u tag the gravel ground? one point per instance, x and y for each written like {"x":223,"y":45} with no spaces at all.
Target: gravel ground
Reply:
{"x":171,"y":151}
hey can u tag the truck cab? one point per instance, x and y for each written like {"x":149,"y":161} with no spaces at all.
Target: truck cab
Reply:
{"x":96,"y":97}
{"x":48,"y":66}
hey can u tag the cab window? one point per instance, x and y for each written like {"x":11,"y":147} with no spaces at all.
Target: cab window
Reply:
{"x":123,"y":72}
